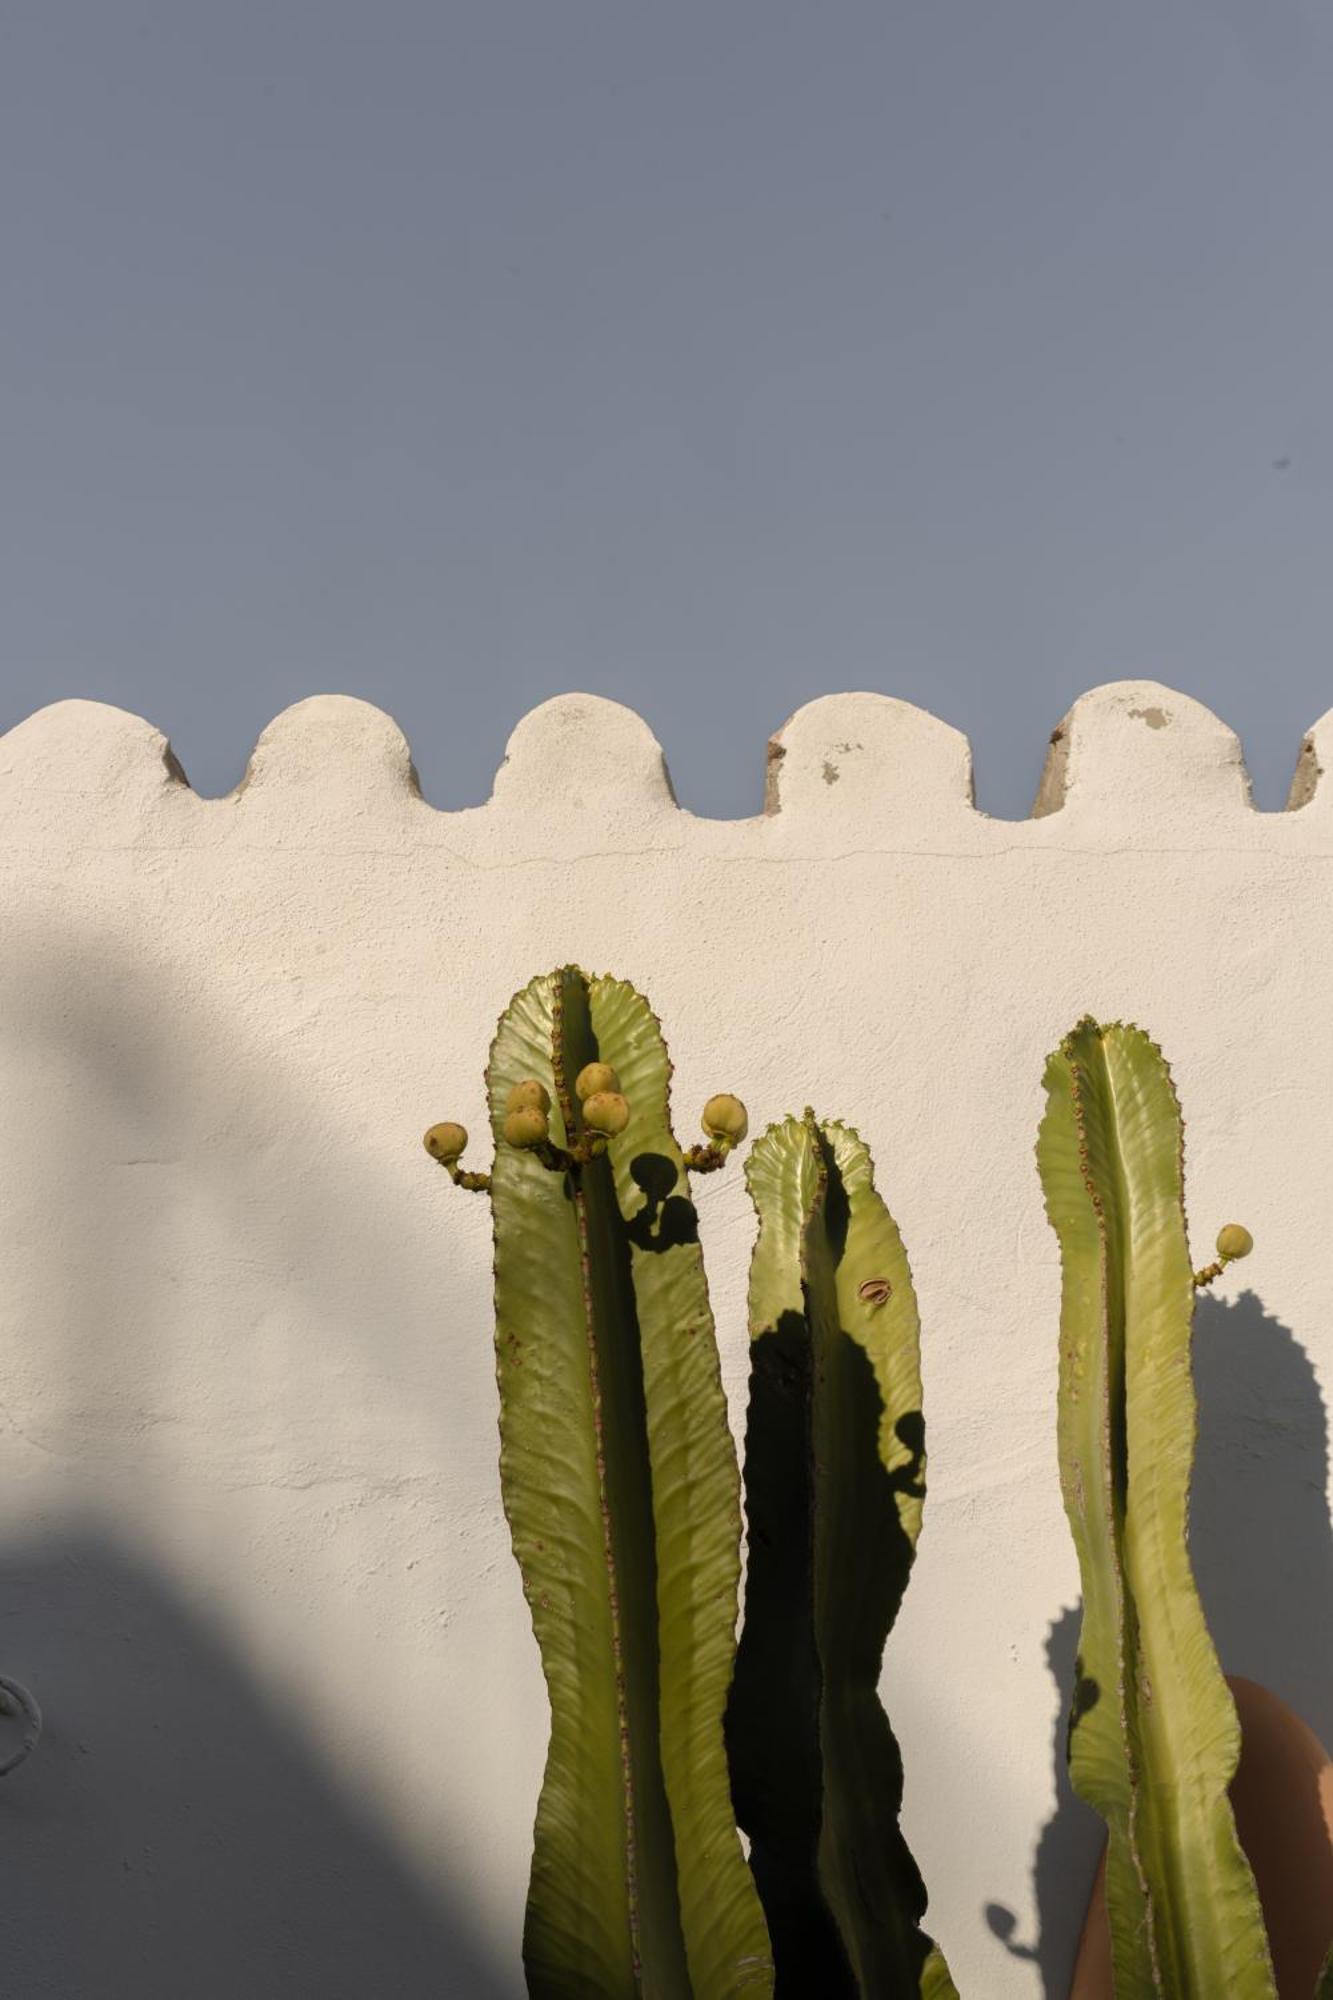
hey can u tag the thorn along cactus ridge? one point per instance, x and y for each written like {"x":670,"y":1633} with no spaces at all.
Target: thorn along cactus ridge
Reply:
{"x":621,"y":1487}
{"x":1153,"y":1735}
{"x":834,"y":1484}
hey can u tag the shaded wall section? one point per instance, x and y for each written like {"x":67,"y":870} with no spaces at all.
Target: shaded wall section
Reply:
{"x":175,"y":1833}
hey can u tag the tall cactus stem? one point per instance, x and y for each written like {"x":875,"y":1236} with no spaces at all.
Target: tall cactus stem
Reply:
{"x":1153,"y":1734}
{"x":619,"y":1480}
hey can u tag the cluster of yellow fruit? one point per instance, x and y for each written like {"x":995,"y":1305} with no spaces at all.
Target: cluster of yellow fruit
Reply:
{"x":528,"y":1106}
{"x":598,"y":1090}
{"x":527,"y":1120}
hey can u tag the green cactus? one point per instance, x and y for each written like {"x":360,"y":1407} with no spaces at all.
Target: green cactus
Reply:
{"x":1153,"y":1737}
{"x":620,"y":1483}
{"x":834,"y":1482}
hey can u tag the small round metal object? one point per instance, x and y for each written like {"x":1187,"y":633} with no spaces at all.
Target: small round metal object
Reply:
{"x":15,"y":1700}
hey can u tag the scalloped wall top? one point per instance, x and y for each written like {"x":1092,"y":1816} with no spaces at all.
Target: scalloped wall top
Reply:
{"x":1128,"y":760}
{"x":331,"y":742}
{"x":1140,"y":747}
{"x":593,"y":753}
{"x":868,"y":755}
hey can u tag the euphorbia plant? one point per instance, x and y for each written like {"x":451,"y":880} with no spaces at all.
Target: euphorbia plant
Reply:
{"x":620,"y":1483}
{"x":1153,"y":1736}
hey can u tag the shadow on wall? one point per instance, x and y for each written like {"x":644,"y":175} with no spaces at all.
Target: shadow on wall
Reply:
{"x":1261,"y":1540}
{"x":172,"y":1073}
{"x":1262,"y":1549}
{"x":171,"y":1835}
{"x":239,"y":1869}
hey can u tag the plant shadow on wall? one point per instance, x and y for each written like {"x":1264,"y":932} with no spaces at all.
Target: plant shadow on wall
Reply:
{"x":1261,"y":1543}
{"x":180,"y":1250}
{"x":172,"y":1835}
{"x":783,"y":1790}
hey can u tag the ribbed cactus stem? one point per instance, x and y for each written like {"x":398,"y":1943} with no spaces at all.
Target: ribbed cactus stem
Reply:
{"x":620,"y":1483}
{"x":1153,"y":1736}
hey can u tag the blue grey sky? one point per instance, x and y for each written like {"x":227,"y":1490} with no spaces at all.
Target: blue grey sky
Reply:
{"x":709,"y":356}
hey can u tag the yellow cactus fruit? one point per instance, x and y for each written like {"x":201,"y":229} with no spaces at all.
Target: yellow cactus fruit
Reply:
{"x":526,"y":1125}
{"x":445,"y":1142}
{"x":596,"y":1079}
{"x":725,"y":1117}
{"x":529,"y":1094}
{"x":1234,"y":1240}
{"x":606,"y":1110}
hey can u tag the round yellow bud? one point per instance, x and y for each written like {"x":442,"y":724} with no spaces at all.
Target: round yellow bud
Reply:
{"x":725,"y":1117}
{"x":526,"y":1126}
{"x":530,"y":1094}
{"x":606,"y":1111}
{"x":595,"y":1079}
{"x":1234,"y":1240}
{"x":445,"y":1142}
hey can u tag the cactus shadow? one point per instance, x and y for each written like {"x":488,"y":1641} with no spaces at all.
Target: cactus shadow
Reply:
{"x":1261,"y":1545}
{"x":666,"y":1219}
{"x":173,"y":1833}
{"x":1261,"y":1539}
{"x":1070,"y":1844}
{"x":804,"y":1718}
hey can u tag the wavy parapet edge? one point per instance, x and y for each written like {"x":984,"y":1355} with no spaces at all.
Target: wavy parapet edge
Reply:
{"x":1127,"y":753}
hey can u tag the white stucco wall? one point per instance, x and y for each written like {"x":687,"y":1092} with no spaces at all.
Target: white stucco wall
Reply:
{"x":253,"y":1560}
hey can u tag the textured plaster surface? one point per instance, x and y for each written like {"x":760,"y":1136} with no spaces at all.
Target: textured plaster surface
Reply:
{"x":256,"y":1563}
